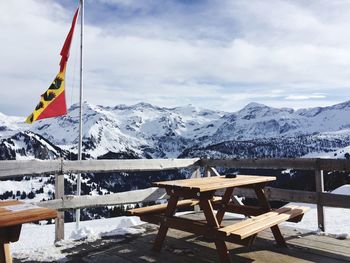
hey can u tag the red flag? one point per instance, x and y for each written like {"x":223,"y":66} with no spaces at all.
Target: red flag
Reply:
{"x":53,"y":101}
{"x":66,"y":46}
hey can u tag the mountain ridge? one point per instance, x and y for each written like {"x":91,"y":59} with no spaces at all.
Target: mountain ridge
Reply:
{"x":144,"y":130}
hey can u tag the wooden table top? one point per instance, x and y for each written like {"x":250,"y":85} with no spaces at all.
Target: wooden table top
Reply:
{"x":214,"y":183}
{"x":17,"y":212}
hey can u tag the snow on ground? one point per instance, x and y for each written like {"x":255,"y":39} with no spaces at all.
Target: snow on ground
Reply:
{"x":36,"y":242}
{"x":343,"y":190}
{"x":337,"y":220}
{"x":336,"y":154}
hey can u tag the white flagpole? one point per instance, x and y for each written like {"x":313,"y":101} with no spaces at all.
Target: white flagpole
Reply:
{"x":77,"y":212}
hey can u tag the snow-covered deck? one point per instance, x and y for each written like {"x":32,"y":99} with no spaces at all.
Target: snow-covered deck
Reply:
{"x":126,"y":239}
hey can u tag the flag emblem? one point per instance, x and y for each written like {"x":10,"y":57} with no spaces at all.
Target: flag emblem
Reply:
{"x":53,"y":101}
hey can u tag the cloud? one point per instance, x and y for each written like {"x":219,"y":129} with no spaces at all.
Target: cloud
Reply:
{"x":214,"y":54}
{"x":305,"y":97}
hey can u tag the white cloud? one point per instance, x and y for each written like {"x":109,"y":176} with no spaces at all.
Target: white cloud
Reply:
{"x":305,"y":97}
{"x":221,"y":54}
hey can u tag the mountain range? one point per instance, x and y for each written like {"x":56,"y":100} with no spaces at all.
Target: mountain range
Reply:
{"x":147,"y":131}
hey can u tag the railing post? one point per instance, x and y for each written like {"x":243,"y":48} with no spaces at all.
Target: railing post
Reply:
{"x":207,"y":172}
{"x":59,"y":193}
{"x":319,"y":189}
{"x":196,"y":173}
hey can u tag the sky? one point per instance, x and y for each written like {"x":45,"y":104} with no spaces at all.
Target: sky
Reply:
{"x":216,"y":54}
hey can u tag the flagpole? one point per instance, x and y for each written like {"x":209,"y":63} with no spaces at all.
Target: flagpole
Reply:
{"x":77,"y":212}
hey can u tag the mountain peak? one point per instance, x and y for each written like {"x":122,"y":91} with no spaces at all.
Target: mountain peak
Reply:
{"x":253,"y":110}
{"x":86,"y":105}
{"x":144,"y":105}
{"x":255,"y":105}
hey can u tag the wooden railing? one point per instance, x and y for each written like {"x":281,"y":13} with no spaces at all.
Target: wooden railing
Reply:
{"x":10,"y":169}
{"x":320,"y":198}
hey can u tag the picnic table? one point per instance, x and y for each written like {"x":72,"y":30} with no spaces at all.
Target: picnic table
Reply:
{"x":201,"y":191}
{"x":12,"y":215}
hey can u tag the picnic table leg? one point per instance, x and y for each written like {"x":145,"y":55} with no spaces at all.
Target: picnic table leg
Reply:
{"x":207,"y":208}
{"x":224,"y":255}
{"x":266,"y":205}
{"x":225,"y":200}
{"x":5,"y":254}
{"x":163,"y":229}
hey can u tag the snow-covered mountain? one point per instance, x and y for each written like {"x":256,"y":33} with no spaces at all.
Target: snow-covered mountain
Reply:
{"x":28,"y":145}
{"x":147,"y":131}
{"x":9,"y":124}
{"x":257,"y":121}
{"x":141,"y":130}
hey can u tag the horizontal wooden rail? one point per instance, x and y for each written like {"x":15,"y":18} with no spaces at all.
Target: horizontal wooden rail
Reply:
{"x":135,"y":165}
{"x":85,"y":201}
{"x":281,"y":163}
{"x":284,"y":195}
{"x":17,"y":168}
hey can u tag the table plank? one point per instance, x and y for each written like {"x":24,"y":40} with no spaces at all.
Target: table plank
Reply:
{"x":11,"y":218}
{"x":214,"y":183}
{"x":228,"y":184}
{"x":253,"y":220}
{"x":268,"y":222}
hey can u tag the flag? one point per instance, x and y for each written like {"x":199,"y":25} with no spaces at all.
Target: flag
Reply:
{"x":53,"y":101}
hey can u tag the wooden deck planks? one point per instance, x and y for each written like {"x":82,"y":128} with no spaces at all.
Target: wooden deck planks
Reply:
{"x":186,"y":248}
{"x":325,"y":246}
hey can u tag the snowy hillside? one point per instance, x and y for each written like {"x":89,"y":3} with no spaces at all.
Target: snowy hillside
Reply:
{"x":28,"y":145}
{"x":147,"y":131}
{"x":9,"y":124}
{"x":260,"y":121}
{"x":141,"y":130}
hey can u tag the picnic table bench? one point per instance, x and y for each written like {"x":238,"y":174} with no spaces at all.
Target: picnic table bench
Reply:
{"x":200,"y":191}
{"x":12,"y":215}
